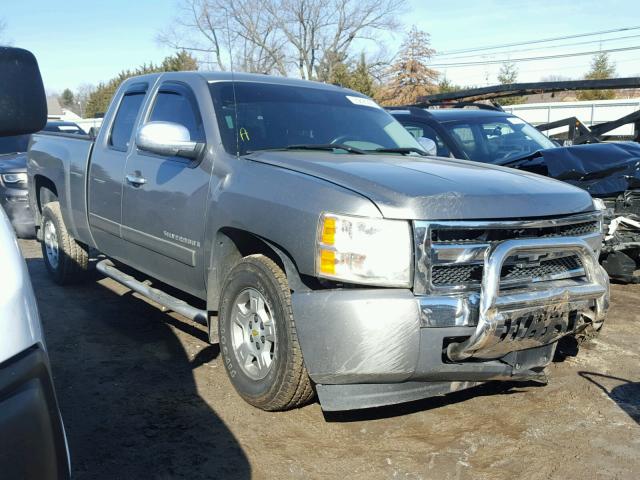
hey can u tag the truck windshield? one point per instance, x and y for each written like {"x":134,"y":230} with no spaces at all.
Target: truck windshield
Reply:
{"x":262,"y":116}
{"x":497,"y":140}
{"x":14,"y":144}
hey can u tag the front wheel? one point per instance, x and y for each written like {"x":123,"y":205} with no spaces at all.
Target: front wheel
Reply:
{"x":258,"y":338}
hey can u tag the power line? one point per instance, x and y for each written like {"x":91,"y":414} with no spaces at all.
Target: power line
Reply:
{"x":532,"y":59}
{"x":530,"y":42}
{"x":573,"y":44}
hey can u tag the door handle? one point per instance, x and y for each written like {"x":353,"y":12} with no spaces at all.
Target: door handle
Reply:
{"x":135,"y":180}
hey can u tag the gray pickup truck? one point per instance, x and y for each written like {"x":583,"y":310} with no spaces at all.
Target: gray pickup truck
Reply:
{"x":338,"y":258}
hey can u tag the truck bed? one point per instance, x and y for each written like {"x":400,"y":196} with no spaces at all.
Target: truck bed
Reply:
{"x":64,"y":159}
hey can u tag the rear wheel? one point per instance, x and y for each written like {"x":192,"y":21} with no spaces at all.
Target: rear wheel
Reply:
{"x":258,"y":338}
{"x":65,"y":259}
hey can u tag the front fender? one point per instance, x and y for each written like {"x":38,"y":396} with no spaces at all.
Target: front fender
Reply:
{"x":279,"y":206}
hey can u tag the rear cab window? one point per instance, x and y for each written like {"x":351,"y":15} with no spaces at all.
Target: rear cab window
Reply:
{"x":125,"y":119}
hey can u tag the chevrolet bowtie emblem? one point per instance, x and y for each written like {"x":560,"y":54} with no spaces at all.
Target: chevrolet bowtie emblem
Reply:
{"x":528,"y":260}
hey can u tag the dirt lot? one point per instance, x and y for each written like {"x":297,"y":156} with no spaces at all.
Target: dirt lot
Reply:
{"x":143,"y":395}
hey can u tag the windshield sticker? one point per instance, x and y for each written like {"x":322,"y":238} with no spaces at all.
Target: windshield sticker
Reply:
{"x":515,"y":120}
{"x":363,"y":102}
{"x":244,"y":135}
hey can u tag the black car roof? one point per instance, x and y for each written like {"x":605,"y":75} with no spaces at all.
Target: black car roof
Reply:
{"x":453,"y":114}
{"x":61,"y":123}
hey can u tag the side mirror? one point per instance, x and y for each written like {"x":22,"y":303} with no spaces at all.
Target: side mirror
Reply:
{"x":428,"y":145}
{"x":168,"y":139}
{"x":23,"y":105}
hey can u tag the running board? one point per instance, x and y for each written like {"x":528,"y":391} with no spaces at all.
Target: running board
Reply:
{"x":174,"y":304}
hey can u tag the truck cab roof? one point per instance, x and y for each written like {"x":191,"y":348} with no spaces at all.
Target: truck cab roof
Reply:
{"x":212,"y":77}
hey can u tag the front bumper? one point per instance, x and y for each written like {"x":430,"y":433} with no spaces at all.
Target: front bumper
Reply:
{"x":15,"y":202}
{"x":425,"y":344}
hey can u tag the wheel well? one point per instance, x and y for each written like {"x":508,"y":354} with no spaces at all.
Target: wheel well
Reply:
{"x":230,"y":246}
{"x":45,"y":191}
{"x":250,"y":244}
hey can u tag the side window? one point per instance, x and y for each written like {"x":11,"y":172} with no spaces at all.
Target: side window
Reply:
{"x":464,"y":135}
{"x":426,"y":131}
{"x":176,"y":107}
{"x":125,"y":119}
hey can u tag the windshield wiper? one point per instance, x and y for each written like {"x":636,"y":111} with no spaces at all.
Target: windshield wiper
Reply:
{"x":400,"y":150}
{"x":529,"y":156}
{"x":325,"y":146}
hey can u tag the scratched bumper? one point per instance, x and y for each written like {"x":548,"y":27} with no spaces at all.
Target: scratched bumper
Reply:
{"x":379,"y":336}
{"x":372,"y":347}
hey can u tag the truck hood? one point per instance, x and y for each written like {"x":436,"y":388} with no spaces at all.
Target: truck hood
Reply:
{"x":431,"y":188}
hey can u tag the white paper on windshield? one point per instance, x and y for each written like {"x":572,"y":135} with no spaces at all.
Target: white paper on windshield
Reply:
{"x":363,"y":102}
{"x":515,"y":120}
{"x":68,"y":128}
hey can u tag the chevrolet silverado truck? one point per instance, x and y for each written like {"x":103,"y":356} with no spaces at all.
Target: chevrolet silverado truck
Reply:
{"x":322,"y":247}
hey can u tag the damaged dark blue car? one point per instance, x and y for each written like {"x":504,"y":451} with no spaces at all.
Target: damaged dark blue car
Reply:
{"x":608,"y":171}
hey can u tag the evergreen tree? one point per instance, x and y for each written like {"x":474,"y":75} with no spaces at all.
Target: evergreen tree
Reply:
{"x":180,"y":62}
{"x":361,"y":79}
{"x":601,"y":68}
{"x":356,"y":77}
{"x":67,"y":99}
{"x":445,"y":86}
{"x":508,"y":75}
{"x":409,"y":76}
{"x":100,"y":98}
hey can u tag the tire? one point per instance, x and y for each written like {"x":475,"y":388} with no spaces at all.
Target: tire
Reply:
{"x":258,"y":342}
{"x":66,"y":260}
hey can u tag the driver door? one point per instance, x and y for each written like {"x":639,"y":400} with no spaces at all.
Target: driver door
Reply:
{"x":164,"y":198}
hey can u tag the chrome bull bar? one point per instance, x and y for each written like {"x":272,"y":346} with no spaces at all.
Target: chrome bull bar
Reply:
{"x":590,"y":297}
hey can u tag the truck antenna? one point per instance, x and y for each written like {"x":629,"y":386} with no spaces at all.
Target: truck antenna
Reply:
{"x":233,"y":82}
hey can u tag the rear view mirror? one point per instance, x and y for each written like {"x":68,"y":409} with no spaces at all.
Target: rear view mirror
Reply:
{"x":428,"y":145}
{"x":23,"y":105}
{"x":167,"y":139}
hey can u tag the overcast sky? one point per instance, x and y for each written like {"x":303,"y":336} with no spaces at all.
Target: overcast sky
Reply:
{"x":87,"y":42}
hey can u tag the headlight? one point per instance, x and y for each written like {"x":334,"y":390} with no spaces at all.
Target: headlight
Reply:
{"x":14,"y":177}
{"x":599,"y":204}
{"x":360,"y":250}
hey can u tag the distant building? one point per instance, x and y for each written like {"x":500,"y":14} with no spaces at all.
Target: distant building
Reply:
{"x":54,"y":109}
{"x":56,"y":112}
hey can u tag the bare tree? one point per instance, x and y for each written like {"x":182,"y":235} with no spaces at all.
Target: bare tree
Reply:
{"x":308,"y":37}
{"x":199,"y":27}
{"x":257,"y":45}
{"x":82,"y":95}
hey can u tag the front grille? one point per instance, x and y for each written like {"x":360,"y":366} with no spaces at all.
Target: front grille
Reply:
{"x":512,"y":272}
{"x":454,"y":235}
{"x":445,"y":275}
{"x":556,"y":267}
{"x":450,"y":255}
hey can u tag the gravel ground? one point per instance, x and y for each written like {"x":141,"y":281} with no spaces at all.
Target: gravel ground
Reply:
{"x":143,"y":395}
